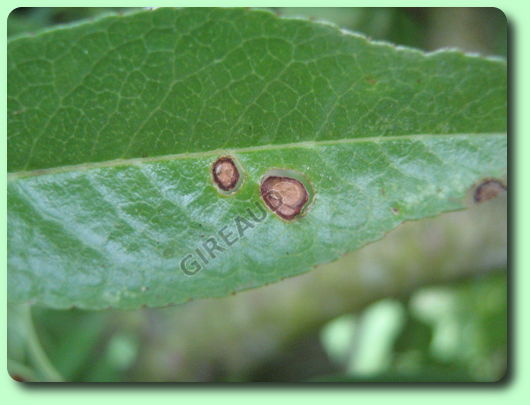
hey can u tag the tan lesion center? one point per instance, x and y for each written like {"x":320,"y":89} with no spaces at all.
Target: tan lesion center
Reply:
{"x":225,"y":173}
{"x":285,"y":196}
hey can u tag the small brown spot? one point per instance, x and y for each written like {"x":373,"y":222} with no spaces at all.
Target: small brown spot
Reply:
{"x":284,"y":195}
{"x":488,"y":189}
{"x":371,"y":80}
{"x":395,"y":210}
{"x":225,"y":173}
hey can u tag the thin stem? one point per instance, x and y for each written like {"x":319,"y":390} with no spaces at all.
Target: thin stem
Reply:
{"x":41,"y":360}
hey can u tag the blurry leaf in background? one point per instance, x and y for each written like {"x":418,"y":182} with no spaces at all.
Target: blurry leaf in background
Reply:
{"x":363,"y":344}
{"x":378,"y":326}
{"x":469,"y":323}
{"x":456,"y":330}
{"x":27,"y":360}
{"x":116,"y":358}
{"x":67,"y":332}
{"x":337,"y":337}
{"x":79,"y":345}
{"x":19,"y":363}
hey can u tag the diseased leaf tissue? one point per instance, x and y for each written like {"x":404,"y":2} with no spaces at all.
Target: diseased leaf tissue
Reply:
{"x":138,"y":143}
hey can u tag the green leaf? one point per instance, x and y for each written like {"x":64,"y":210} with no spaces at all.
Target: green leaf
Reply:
{"x":113,"y":127}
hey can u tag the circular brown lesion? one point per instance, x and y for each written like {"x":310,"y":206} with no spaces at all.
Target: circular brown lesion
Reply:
{"x":285,"y":196}
{"x":225,"y":173}
{"x":488,"y":189}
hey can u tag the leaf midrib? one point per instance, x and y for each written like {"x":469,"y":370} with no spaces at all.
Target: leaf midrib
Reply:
{"x":192,"y":155}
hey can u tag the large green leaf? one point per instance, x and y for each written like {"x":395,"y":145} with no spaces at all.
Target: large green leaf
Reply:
{"x":113,"y":126}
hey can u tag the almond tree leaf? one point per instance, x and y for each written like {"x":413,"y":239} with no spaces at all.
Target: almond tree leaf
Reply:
{"x":114,"y":124}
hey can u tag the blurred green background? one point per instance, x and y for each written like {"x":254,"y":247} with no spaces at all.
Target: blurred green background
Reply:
{"x":426,"y":303}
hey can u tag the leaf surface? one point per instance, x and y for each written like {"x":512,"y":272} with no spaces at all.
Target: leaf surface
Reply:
{"x":113,"y":126}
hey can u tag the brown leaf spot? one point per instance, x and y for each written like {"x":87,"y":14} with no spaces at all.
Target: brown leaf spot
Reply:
{"x":371,"y":80}
{"x":284,"y":195}
{"x":225,"y":173}
{"x":488,"y":189}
